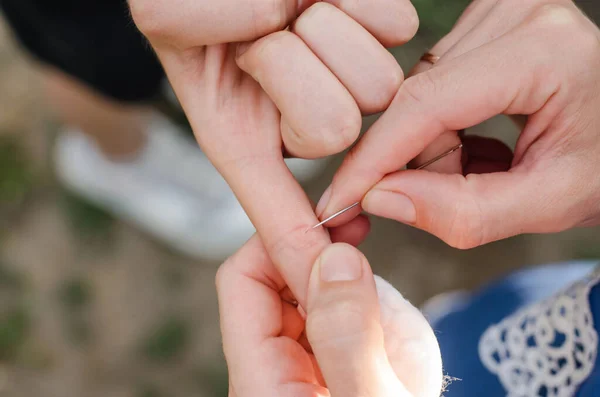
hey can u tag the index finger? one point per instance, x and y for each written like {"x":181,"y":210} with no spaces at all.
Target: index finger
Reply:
{"x":454,"y":95}
{"x":282,"y":215}
{"x":238,"y":128}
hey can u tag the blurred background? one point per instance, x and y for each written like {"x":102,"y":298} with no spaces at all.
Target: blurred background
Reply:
{"x":92,"y":306}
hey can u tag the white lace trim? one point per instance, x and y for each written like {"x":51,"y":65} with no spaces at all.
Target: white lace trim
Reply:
{"x":547,"y":349}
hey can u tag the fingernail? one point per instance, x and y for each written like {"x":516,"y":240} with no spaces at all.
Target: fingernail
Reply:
{"x":340,"y":262}
{"x":242,"y":48}
{"x":322,"y":204}
{"x":390,"y":205}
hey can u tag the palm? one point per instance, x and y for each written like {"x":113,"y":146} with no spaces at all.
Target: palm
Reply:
{"x":232,"y":114}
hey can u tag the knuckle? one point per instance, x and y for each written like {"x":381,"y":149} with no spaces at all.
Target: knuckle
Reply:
{"x":405,"y":24}
{"x":381,"y":94}
{"x":270,"y":47}
{"x":569,"y":32}
{"x":223,"y":272}
{"x":316,"y":15}
{"x":418,"y":88}
{"x":554,"y":18}
{"x":337,"y":133}
{"x":410,"y":24}
{"x":319,"y":11}
{"x":269,"y":16}
{"x":148,"y":17}
{"x":587,"y":41}
{"x":343,"y":132}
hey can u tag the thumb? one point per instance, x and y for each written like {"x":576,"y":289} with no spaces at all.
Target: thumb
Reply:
{"x":344,"y":327}
{"x":470,"y":211}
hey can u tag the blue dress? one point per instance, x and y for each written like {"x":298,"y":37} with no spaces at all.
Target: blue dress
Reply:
{"x":533,"y":333}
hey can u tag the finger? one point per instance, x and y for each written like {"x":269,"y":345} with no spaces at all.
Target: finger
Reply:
{"x":450,"y":164}
{"x":248,"y":287}
{"x":321,"y":117}
{"x":247,"y":153}
{"x":283,"y":216}
{"x":293,"y":323}
{"x":470,"y":18}
{"x":451,"y":96}
{"x":485,"y":22}
{"x":469,"y":21}
{"x":393,"y":23}
{"x":373,"y":78}
{"x":470,"y":211}
{"x":199,"y":23}
{"x":353,"y":233}
{"x":343,"y":326}
{"x":499,"y":19}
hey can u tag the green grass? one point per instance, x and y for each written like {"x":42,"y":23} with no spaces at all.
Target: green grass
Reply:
{"x":167,"y":341}
{"x":15,"y":318}
{"x":14,"y":330}
{"x":87,"y":220}
{"x":173,"y":277}
{"x":10,"y":279}
{"x":149,"y":390}
{"x":214,"y":379}
{"x":588,"y":250}
{"x":438,"y":16}
{"x":16,"y":177}
{"x":76,"y":296}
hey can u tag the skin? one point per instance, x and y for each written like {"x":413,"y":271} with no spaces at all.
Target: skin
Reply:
{"x":258,"y":104}
{"x":280,"y":91}
{"x":359,"y":337}
{"x":536,"y":61}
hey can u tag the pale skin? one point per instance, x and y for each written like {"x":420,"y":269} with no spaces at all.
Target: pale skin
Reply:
{"x":356,"y":340}
{"x":537,"y":58}
{"x":280,"y":91}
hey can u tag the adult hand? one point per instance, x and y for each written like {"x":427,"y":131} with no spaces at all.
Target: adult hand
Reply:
{"x":360,"y":336}
{"x":538,"y":58}
{"x":300,"y":90}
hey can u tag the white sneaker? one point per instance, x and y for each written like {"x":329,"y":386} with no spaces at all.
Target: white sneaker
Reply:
{"x":171,"y":190}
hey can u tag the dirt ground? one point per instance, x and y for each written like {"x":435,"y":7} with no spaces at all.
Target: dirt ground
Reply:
{"x":93,"y":307}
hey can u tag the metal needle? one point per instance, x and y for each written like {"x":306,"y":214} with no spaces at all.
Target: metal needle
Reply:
{"x":428,"y":163}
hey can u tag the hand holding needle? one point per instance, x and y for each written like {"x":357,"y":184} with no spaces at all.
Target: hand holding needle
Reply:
{"x":428,"y":163}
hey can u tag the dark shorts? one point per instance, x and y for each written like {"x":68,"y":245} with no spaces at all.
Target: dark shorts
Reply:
{"x":94,"y":41}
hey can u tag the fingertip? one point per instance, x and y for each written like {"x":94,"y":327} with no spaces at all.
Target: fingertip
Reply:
{"x":323,"y":201}
{"x":353,"y":233}
{"x":390,"y":204}
{"x":241,"y":49}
